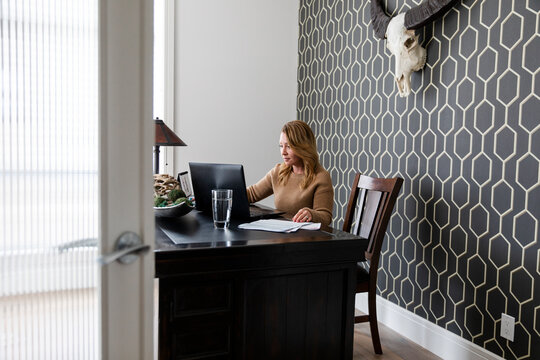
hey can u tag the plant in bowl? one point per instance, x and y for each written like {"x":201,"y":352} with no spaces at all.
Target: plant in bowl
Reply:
{"x":169,"y":199}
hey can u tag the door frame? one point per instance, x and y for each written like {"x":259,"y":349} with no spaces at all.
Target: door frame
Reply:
{"x":126,"y":139}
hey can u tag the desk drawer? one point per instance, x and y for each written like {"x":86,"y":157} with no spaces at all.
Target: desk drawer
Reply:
{"x":201,"y":298}
{"x":203,"y":342}
{"x":196,"y":318}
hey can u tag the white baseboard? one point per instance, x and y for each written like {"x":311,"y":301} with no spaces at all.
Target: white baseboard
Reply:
{"x":430,"y":336}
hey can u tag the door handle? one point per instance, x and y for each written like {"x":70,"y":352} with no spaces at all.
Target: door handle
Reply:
{"x":127,"y":249}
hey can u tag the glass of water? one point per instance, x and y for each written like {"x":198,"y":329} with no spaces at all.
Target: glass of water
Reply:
{"x":221,"y":207}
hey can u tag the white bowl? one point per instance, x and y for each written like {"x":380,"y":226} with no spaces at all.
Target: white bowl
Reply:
{"x":173,"y":211}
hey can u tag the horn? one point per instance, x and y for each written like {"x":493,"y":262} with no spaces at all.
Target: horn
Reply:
{"x":379,"y":19}
{"x":426,"y":12}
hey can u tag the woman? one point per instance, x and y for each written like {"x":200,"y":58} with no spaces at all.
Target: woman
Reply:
{"x":301,"y":186}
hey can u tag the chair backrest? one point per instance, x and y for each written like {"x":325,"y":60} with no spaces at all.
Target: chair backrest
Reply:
{"x":369,"y":209}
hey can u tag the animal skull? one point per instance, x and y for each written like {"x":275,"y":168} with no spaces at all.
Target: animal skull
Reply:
{"x":400,"y":38}
{"x":409,"y":55}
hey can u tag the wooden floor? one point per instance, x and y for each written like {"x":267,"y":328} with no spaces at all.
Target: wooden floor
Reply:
{"x":394,"y":345}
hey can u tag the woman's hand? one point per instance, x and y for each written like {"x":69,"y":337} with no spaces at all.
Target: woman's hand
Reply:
{"x":303,"y":215}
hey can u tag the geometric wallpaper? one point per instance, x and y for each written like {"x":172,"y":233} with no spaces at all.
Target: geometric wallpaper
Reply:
{"x":463,"y":242}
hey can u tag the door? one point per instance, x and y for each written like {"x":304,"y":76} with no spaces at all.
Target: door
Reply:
{"x":75,"y":173}
{"x":126,"y":138}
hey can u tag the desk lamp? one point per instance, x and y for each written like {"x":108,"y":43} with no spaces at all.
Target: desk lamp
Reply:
{"x":164,"y":137}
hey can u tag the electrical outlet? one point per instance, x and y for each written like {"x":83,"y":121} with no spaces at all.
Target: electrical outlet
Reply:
{"x":508,"y":324}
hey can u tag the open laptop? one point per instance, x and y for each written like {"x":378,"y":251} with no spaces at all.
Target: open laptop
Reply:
{"x":207,"y":176}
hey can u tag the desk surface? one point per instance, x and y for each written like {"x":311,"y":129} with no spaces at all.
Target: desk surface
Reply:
{"x":196,"y":231}
{"x":196,"y":240}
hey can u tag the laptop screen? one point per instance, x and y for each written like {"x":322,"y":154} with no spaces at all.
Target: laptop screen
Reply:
{"x":206,"y":176}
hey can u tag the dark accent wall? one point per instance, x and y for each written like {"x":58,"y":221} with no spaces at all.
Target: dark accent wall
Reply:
{"x":462,"y":246}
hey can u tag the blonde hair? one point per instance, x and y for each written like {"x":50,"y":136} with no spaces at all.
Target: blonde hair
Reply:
{"x":302,"y":142}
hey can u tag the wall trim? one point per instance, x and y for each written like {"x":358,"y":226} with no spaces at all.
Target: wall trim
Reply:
{"x":430,"y":336}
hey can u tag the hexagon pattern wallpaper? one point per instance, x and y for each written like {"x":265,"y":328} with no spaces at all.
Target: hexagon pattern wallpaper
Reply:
{"x":462,"y":246}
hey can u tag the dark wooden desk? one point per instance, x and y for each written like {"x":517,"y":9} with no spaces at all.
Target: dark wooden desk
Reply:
{"x":241,"y":294}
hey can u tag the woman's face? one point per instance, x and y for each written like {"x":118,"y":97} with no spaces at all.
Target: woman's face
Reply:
{"x":287,"y":153}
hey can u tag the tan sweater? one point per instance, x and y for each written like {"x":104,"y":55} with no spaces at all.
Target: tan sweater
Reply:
{"x":318,"y":197}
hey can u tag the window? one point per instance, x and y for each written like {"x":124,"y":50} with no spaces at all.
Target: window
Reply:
{"x":48,"y":178}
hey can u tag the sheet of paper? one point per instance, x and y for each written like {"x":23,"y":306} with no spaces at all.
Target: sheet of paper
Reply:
{"x":279,"y":225}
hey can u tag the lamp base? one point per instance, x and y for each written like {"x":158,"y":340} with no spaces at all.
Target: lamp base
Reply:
{"x":156,"y":159}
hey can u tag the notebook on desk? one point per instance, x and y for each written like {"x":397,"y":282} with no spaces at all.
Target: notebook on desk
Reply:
{"x":207,"y":176}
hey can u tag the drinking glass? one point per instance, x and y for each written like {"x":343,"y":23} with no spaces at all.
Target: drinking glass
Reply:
{"x":221,"y":207}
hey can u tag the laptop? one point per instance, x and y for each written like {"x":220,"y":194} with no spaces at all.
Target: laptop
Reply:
{"x":207,"y":176}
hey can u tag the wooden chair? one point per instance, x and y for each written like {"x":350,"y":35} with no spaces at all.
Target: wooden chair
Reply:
{"x":369,"y":209}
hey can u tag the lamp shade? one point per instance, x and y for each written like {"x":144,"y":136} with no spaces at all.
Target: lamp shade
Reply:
{"x":165,"y":136}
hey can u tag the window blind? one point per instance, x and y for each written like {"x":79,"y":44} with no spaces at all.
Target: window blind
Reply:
{"x":48,"y":179}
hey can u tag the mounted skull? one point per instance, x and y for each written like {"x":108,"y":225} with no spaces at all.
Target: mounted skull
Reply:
{"x":400,"y":37}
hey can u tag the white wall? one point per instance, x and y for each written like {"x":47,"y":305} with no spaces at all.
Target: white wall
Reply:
{"x":236,"y":81}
